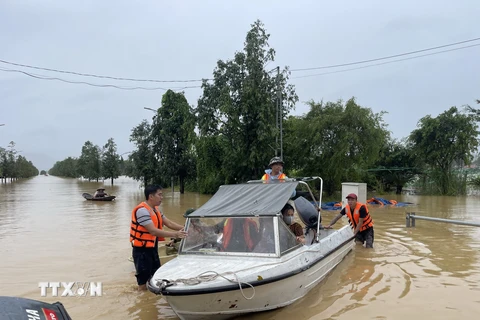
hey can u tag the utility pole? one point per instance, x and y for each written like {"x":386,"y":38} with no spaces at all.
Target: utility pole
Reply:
{"x":279,"y":112}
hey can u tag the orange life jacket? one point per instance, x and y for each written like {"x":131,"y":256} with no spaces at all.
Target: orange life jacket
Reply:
{"x":228,"y":230}
{"x":267,"y":176}
{"x":367,"y":221}
{"x":139,"y":235}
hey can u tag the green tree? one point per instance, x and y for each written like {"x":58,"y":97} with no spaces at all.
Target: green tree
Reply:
{"x":110,"y":161}
{"x":8,"y":162}
{"x":15,"y":166}
{"x":25,"y":168}
{"x":68,"y":168}
{"x":240,"y":108}
{"x":142,"y":164}
{"x":173,"y":137}
{"x":398,"y":165}
{"x":2,"y":156}
{"x":90,"y":162}
{"x":336,"y":141}
{"x":474,"y":112}
{"x":209,"y":164}
{"x":122,"y":166}
{"x":440,"y":142}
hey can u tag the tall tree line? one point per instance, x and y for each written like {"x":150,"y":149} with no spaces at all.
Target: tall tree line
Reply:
{"x":233,"y":131}
{"x":94,"y":163}
{"x":14,"y":166}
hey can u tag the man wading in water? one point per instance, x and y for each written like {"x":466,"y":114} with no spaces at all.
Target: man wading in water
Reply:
{"x":145,"y":230}
{"x":360,"y":220}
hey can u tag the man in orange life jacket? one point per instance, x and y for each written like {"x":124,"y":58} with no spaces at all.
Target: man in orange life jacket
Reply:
{"x":275,"y":172}
{"x":146,"y":229}
{"x":360,"y":220}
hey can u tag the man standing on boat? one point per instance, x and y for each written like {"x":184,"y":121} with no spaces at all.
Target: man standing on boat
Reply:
{"x":146,"y":229}
{"x":275,"y":170}
{"x":359,"y":219}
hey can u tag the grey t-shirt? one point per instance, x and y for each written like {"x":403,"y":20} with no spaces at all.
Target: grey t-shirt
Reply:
{"x":143,"y":216}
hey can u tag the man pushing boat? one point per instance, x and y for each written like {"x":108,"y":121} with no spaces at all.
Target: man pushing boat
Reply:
{"x":146,"y":229}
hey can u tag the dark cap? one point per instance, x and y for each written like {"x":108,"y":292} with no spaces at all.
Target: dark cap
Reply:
{"x":275,"y":160}
{"x":352,"y":195}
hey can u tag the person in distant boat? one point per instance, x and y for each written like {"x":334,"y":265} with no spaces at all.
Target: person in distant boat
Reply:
{"x":296,"y":228}
{"x":359,"y":219}
{"x":146,"y":229}
{"x":100,"y":193}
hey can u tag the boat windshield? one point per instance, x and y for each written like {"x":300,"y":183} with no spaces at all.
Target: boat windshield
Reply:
{"x":236,"y":235}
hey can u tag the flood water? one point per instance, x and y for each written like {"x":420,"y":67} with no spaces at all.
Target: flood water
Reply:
{"x":50,"y":233}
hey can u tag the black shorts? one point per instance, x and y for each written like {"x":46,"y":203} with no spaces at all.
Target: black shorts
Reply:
{"x":366,"y":236}
{"x":146,"y":262}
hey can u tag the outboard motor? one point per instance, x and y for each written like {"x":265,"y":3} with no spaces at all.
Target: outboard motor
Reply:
{"x":307,"y":212}
{"x":13,"y":308}
{"x":307,"y":195}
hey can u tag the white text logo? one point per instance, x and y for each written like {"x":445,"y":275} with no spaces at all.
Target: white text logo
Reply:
{"x":71,"y":289}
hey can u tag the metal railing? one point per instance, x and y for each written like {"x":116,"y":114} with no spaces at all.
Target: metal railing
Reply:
{"x":411,"y":217}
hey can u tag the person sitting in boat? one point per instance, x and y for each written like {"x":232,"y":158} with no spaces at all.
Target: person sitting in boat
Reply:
{"x":100,"y":193}
{"x":239,"y":234}
{"x":275,"y":171}
{"x":296,"y":228}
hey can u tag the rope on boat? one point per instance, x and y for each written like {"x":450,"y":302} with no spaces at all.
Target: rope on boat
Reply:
{"x":203,"y":277}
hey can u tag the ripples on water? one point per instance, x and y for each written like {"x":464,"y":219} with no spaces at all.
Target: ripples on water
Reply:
{"x":53,"y":234}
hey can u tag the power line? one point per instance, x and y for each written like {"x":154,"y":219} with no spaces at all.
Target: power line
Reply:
{"x":200,"y":80}
{"x":388,"y":62}
{"x":95,"y":85}
{"x":383,"y":58}
{"x":189,"y":87}
{"x":95,"y":75}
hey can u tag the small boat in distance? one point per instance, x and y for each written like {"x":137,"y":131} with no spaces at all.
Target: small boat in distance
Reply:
{"x":99,"y":195}
{"x":89,"y":197}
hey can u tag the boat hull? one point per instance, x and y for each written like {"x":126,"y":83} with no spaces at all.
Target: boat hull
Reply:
{"x":89,"y":197}
{"x":103,"y":199}
{"x":266,"y":296}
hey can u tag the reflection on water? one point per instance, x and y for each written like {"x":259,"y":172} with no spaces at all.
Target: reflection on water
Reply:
{"x":50,"y":233}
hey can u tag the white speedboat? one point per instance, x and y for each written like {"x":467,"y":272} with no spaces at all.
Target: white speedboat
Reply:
{"x":240,"y":257}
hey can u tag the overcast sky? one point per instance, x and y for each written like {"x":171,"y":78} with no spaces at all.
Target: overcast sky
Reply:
{"x":177,"y":40}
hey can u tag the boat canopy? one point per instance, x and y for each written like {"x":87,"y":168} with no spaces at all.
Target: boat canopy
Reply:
{"x":248,"y":200}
